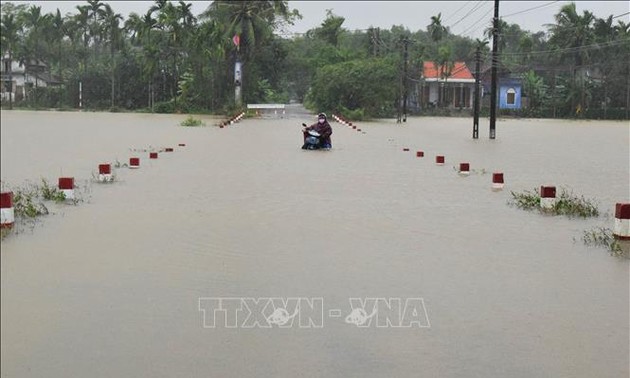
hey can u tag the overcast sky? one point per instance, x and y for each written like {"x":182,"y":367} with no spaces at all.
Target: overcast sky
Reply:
{"x":468,"y":18}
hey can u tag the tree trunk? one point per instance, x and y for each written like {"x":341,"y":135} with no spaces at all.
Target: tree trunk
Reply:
{"x":113,"y":83}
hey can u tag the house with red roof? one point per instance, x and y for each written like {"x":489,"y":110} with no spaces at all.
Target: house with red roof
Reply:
{"x":451,"y":85}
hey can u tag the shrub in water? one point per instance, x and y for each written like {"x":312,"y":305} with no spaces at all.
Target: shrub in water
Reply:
{"x":191,"y":122}
{"x":566,"y":204}
{"x":602,"y":237}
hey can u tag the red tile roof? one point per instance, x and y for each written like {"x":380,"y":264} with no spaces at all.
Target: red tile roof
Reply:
{"x":460,"y":71}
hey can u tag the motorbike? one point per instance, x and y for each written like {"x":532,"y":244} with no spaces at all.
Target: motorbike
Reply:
{"x":312,"y":140}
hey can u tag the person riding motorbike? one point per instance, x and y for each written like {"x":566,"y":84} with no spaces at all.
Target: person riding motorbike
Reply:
{"x":323,"y":128}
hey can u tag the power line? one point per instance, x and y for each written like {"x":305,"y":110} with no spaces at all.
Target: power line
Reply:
{"x":621,"y":15}
{"x":570,"y":49}
{"x":473,"y":10}
{"x":476,"y":22}
{"x":457,"y":11}
{"x":530,"y":9}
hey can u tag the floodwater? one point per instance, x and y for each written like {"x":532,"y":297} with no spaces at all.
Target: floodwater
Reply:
{"x":111,"y":287}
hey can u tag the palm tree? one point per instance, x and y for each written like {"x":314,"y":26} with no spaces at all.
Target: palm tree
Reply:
{"x":176,"y":23}
{"x":445,"y":63}
{"x":436,"y":30}
{"x":10,"y":29}
{"x":208,"y":44}
{"x":572,"y":31}
{"x":144,"y":34}
{"x":97,"y":11}
{"x":33,"y":49}
{"x":114,"y":36}
{"x":502,"y":31}
{"x":80,"y":27}
{"x":622,"y":33}
{"x":57,"y":32}
{"x":252,"y":20}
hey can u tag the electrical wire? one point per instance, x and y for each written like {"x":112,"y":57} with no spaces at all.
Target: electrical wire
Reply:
{"x":464,"y":33}
{"x":457,"y":11}
{"x":473,"y":10}
{"x":530,"y":9}
{"x":570,"y":49}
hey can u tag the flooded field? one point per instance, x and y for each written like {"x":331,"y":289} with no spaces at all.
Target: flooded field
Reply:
{"x":111,"y":287}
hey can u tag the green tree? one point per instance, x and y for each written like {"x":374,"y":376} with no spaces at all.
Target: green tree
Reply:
{"x":358,"y":85}
{"x":113,"y":32}
{"x":570,"y":34}
{"x":436,"y":29}
{"x":34,"y":47}
{"x":254,"y":22}
{"x":535,"y":90}
{"x":331,"y":29}
{"x":10,"y":29}
{"x":143,"y":31}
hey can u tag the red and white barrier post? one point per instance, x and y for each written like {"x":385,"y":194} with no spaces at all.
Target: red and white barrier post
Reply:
{"x":105,"y":173}
{"x":439,"y":160}
{"x":497,"y":181}
{"x":547,"y":197}
{"x":621,"y":229}
{"x":7,"y":215}
{"x":464,"y":169}
{"x":66,"y":185}
{"x":134,"y":162}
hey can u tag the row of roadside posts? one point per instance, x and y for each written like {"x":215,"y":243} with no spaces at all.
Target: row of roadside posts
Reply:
{"x":621,"y":228}
{"x":66,"y":185}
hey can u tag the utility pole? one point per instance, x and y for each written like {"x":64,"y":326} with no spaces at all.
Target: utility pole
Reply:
{"x":495,"y":63}
{"x":476,"y":103}
{"x":238,"y":97}
{"x":238,"y":72}
{"x":400,"y":89}
{"x":405,"y":89}
{"x":10,"y":80}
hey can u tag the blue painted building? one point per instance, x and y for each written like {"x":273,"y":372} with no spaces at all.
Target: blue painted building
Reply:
{"x":510,"y":93}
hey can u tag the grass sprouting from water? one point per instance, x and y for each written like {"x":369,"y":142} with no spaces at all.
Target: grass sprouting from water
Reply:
{"x":50,"y":193}
{"x":602,"y":237}
{"x":191,"y":121}
{"x":567,"y":204}
{"x":30,"y":202}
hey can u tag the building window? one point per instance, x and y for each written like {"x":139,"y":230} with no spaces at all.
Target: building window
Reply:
{"x":511,"y":96}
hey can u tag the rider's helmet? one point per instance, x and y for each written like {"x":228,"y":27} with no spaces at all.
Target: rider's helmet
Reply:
{"x":321,"y":115}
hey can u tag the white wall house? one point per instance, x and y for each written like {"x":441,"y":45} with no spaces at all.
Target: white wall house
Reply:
{"x":23,"y":77}
{"x":457,"y":89}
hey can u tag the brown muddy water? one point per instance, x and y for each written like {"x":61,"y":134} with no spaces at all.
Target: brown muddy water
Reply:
{"x":111,"y":287}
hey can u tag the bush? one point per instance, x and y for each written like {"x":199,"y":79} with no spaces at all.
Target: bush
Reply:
{"x":602,"y":237}
{"x":164,"y":107}
{"x":191,"y":122}
{"x":355,"y":85}
{"x":566,"y":204}
{"x":354,"y":115}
